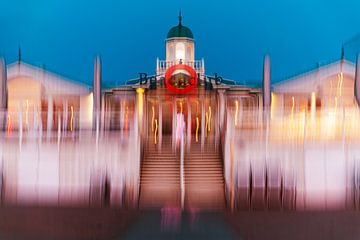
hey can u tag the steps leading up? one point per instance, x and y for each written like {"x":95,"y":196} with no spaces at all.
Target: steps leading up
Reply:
{"x":160,"y":176}
{"x":204,"y":178}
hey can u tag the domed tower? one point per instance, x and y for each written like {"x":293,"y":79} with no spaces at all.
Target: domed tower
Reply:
{"x":180,"y":49}
{"x":180,"y":44}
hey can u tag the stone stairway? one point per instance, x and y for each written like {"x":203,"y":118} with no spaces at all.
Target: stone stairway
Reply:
{"x":160,"y":176}
{"x":204,"y":179}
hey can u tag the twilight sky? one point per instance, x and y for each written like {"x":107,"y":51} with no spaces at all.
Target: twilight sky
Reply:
{"x":231,"y":35}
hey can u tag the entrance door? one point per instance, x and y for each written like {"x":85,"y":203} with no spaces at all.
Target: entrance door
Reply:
{"x":159,"y":121}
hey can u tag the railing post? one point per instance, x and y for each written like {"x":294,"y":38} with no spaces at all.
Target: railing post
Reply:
{"x":182,"y":185}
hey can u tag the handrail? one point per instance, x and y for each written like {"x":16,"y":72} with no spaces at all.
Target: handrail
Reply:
{"x":182,"y":185}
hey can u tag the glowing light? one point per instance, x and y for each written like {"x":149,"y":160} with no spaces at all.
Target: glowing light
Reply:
{"x":9,"y":125}
{"x":340,"y":83}
{"x":155,"y":133}
{"x":181,"y":107}
{"x":313,"y":105}
{"x":140,"y":93}
{"x":197,"y":129}
{"x":292,"y":106}
{"x":180,"y":51}
{"x":272,"y":105}
{"x":181,"y":67}
{"x":71,"y":118}
{"x":236,"y":111}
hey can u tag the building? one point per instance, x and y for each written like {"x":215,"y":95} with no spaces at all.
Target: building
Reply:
{"x":180,"y":137}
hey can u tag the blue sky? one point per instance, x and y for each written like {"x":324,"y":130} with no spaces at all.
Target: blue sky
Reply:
{"x":232,"y":36}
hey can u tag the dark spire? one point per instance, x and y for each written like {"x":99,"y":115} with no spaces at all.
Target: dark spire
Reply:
{"x":19,"y":54}
{"x":180,"y":18}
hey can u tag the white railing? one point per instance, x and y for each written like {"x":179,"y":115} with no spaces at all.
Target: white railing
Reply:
{"x":163,"y":65}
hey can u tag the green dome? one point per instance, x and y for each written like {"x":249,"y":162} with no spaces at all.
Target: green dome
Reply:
{"x":180,"y":31}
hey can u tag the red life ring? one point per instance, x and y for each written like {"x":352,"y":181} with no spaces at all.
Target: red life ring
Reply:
{"x":193,"y":78}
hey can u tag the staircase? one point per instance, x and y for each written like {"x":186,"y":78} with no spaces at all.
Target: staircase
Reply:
{"x":160,"y":176}
{"x":204,"y":179}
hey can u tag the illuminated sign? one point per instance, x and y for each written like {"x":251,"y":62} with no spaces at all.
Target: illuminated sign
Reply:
{"x":180,"y":79}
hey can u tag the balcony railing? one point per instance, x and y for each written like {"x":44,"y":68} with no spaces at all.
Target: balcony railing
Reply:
{"x":163,"y":65}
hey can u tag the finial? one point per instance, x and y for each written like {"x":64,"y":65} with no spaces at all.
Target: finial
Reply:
{"x":342,"y":53}
{"x":180,"y":18}
{"x":19,"y":54}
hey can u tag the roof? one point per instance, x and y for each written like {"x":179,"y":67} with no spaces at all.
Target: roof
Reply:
{"x":180,"y":31}
{"x":306,"y":82}
{"x":53,"y":83}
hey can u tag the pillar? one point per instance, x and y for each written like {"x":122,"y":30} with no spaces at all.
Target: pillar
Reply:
{"x":266,"y":84}
{"x":357,"y":80}
{"x":3,"y":93}
{"x":97,"y":92}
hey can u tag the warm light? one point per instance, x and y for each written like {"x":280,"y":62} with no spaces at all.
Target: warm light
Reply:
{"x":180,"y":51}
{"x":127,"y":117}
{"x":155,"y":133}
{"x":140,"y":93}
{"x":292,"y":106}
{"x":9,"y":125}
{"x":272,"y":105}
{"x":71,"y":118}
{"x":313,"y":105}
{"x":340,"y":83}
{"x":236,"y":112}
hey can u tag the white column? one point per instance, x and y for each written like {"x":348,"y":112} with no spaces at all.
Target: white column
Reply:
{"x":50,"y":116}
{"x":221,"y":108}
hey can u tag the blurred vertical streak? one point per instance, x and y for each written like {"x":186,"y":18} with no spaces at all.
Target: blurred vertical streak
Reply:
{"x":3,"y":93}
{"x":97,"y":91}
{"x":266,"y":83}
{"x":357,"y":80}
{"x":232,"y":197}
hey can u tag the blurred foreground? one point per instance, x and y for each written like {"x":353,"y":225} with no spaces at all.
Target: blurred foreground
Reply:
{"x":106,"y":223}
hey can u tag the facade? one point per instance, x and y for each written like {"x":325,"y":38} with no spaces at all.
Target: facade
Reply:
{"x":181,"y":137}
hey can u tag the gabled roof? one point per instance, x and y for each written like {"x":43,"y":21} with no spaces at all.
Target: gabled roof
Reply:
{"x":308,"y":81}
{"x":54,"y":84}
